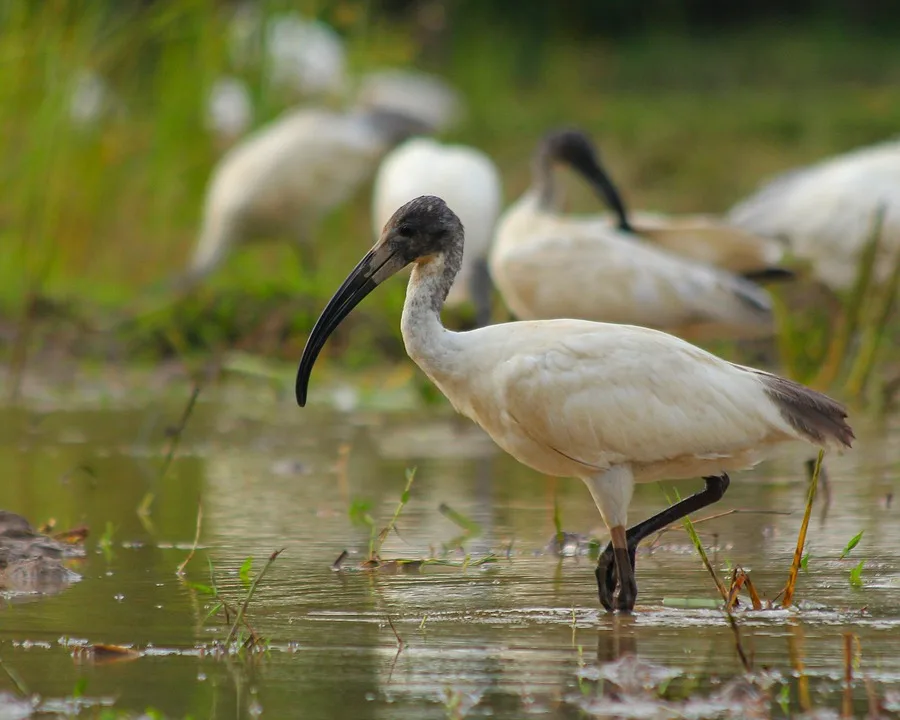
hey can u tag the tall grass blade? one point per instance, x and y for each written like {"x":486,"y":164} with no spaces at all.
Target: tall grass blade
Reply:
{"x":853,"y":308}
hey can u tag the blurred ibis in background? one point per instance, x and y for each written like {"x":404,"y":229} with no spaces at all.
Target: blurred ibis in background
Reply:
{"x":547,"y":264}
{"x":827,"y":212}
{"x":281,"y":180}
{"x":470,"y":182}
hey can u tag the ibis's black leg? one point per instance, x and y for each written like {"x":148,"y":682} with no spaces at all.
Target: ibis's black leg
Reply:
{"x":481,"y":288}
{"x":613,"y":595}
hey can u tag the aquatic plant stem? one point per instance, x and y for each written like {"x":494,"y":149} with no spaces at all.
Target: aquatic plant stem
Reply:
{"x":738,"y":644}
{"x":16,"y":679}
{"x":179,"y":431}
{"x":180,"y":570}
{"x":847,"y":701}
{"x":801,"y":536}
{"x":404,"y":498}
{"x":242,"y":609}
{"x":695,"y":539}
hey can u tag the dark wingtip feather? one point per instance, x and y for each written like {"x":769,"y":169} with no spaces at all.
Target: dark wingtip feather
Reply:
{"x":815,"y":416}
{"x":771,"y":274}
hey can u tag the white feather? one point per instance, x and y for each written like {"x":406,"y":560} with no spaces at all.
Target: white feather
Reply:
{"x":463,"y":176}
{"x":708,"y":239}
{"x":284,"y":177}
{"x":548,"y":265}
{"x":413,"y":93}
{"x":827,"y":211}
{"x":229,"y":109}
{"x":300,"y":54}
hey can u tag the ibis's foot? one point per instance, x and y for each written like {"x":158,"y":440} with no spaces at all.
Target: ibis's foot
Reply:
{"x":615,"y":579}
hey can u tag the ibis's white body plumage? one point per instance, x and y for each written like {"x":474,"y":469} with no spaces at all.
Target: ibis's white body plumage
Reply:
{"x":91,"y":98}
{"x":549,"y":265}
{"x":300,"y":55}
{"x":610,"y":404}
{"x":708,"y":239}
{"x":464,"y":176}
{"x":229,"y":109}
{"x":416,"y":94}
{"x":826,"y":212}
{"x":282,"y":179}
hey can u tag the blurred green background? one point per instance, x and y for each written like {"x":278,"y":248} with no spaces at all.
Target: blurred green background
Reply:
{"x":692,"y":104}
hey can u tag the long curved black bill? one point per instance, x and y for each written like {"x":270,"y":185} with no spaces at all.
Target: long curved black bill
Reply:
{"x":377,"y":265}
{"x":592,"y":171}
{"x":603,"y":185}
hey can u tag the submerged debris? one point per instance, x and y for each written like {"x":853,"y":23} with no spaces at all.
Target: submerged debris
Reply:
{"x":31,"y":562}
{"x":105,"y":653}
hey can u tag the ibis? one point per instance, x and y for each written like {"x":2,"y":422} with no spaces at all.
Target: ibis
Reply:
{"x":299,"y":55}
{"x":547,"y":264}
{"x":828,"y":211}
{"x":610,"y":404}
{"x":229,"y":109}
{"x":284,"y":178}
{"x":469,"y":181}
{"x":410,"y":92}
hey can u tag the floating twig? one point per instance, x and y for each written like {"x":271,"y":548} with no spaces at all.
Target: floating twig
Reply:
{"x":336,"y":565}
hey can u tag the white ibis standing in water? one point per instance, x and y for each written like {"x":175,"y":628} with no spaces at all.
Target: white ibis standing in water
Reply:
{"x":550,"y":265}
{"x":469,"y":181}
{"x":827,"y":212}
{"x":610,"y":404}
{"x":282,"y":179}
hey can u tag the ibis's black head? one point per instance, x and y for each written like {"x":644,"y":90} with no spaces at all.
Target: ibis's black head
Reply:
{"x":422,"y":228}
{"x":575,"y":149}
{"x":419,"y":232}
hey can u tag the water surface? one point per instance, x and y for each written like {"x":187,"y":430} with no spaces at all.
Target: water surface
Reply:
{"x":517,"y":637}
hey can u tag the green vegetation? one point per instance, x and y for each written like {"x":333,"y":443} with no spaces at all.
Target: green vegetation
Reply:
{"x":94,"y":218}
{"x":241,"y":632}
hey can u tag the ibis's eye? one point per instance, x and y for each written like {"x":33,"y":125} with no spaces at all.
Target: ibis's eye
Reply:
{"x":405,"y":231}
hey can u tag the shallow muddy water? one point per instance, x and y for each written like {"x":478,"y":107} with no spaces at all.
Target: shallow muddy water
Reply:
{"x":521,"y":636}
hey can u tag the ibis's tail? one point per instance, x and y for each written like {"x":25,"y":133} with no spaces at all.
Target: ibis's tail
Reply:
{"x":813,"y":415}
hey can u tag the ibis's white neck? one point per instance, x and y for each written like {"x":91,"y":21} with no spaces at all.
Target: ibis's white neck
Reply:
{"x":544,"y":185}
{"x":431,"y":346}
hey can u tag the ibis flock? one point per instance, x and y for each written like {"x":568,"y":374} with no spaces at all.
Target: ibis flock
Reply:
{"x":595,"y":378}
